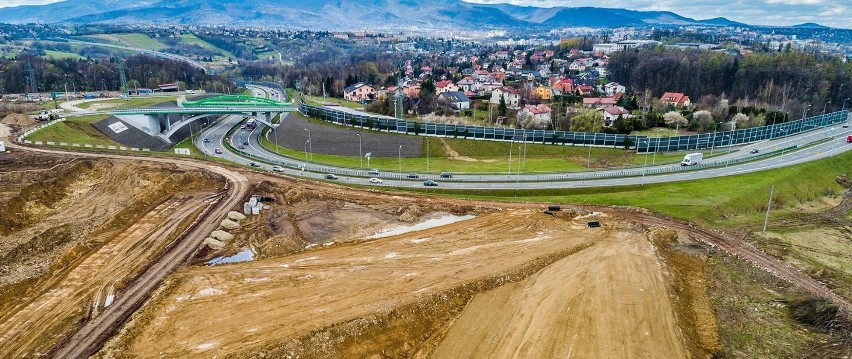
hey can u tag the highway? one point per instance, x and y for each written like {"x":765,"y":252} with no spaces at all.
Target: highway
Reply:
{"x":299,"y":167}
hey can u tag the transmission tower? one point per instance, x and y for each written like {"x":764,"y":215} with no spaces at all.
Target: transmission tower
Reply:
{"x":31,"y":84}
{"x":123,"y":79}
{"x":399,"y":100}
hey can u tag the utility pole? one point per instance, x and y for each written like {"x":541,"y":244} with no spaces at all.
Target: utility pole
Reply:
{"x":123,"y":79}
{"x":768,"y":206}
{"x":30,"y":81}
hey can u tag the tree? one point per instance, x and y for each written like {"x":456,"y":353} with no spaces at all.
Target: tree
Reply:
{"x":674,"y":119}
{"x":704,"y":119}
{"x":502,"y":108}
{"x":739,"y":118}
{"x":587,"y":121}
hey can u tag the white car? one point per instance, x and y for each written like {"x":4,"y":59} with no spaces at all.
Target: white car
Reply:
{"x":375,"y":180}
{"x":278,"y":168}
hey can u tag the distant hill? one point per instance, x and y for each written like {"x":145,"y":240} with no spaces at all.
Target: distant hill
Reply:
{"x":811,"y":25}
{"x":344,"y":15}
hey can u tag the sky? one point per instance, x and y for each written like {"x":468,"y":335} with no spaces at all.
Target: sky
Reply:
{"x":836,"y":13}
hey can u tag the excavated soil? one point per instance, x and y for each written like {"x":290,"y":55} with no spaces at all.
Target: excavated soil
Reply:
{"x":510,"y":282}
{"x":74,"y":231}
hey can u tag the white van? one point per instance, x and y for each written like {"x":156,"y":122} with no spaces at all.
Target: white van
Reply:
{"x":692,"y":159}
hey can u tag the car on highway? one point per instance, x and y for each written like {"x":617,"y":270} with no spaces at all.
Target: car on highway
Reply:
{"x":218,"y":151}
{"x":245,"y":143}
{"x":206,"y":140}
{"x":446,"y":175}
{"x":242,"y":127}
{"x":330,"y":176}
{"x":254,"y":164}
{"x":373,"y":171}
{"x":413,"y":175}
{"x":754,"y":151}
{"x":849,"y":138}
{"x":430,"y":183}
{"x":278,"y":168}
{"x":241,"y":147}
{"x":375,"y":180}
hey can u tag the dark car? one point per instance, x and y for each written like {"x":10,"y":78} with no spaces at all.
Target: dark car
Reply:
{"x":218,"y":151}
{"x":330,"y":176}
{"x":430,"y":183}
{"x":206,"y":140}
{"x":245,"y":143}
{"x":413,"y":175}
{"x":254,"y":164}
{"x":373,"y":172}
{"x":446,"y":175}
{"x":754,"y":151}
{"x":241,"y":147}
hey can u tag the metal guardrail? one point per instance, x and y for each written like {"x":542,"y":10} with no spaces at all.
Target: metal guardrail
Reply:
{"x":196,"y":110}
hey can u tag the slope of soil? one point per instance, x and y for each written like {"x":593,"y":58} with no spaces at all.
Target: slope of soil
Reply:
{"x":394,"y":296}
{"x":77,"y":234}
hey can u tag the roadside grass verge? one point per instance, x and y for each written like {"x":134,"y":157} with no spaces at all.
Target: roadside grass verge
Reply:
{"x":134,"y":102}
{"x":74,"y":130}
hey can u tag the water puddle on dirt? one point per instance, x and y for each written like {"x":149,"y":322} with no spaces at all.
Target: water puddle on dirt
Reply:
{"x":427,"y":224}
{"x":243,"y":256}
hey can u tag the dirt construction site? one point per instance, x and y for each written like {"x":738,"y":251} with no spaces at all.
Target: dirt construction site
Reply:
{"x":117,"y":257}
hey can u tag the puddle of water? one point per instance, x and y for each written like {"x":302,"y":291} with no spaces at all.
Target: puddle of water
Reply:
{"x":243,"y":256}
{"x":427,"y":224}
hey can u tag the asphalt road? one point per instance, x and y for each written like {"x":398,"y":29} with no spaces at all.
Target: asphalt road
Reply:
{"x":302,"y":168}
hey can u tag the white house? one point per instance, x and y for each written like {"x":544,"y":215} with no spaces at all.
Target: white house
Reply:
{"x":539,"y":114}
{"x":612,"y":113}
{"x":458,"y":99}
{"x":359,"y":92}
{"x":613,"y":88}
{"x":509,"y":94}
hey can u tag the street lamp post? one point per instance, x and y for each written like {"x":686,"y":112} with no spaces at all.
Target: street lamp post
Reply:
{"x":310,"y":145}
{"x":825,"y":107}
{"x":843,"y":108}
{"x":427,"y":154}
{"x":306,"y":150}
{"x":713,"y":145}
{"x":805,"y":111}
{"x":645,"y":166}
{"x":360,"y":155}
{"x":399,"y":160}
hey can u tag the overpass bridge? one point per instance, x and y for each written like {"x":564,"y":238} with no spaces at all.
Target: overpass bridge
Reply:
{"x":165,"y":122}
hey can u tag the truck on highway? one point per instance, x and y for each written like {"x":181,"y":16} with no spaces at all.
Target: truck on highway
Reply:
{"x":692,"y":159}
{"x":849,"y":138}
{"x":251,"y":123}
{"x":47,"y":115}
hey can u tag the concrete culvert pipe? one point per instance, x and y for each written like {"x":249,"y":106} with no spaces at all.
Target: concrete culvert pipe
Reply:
{"x":236,"y":216}
{"x":222,"y":235}
{"x":229,"y":224}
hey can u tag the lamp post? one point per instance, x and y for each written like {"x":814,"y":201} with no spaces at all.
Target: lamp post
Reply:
{"x":427,"y":154}
{"x":310,"y":145}
{"x":713,"y":145}
{"x":843,"y":108}
{"x":306,"y":150}
{"x":360,"y":155}
{"x":805,"y":111}
{"x":399,"y":160}
{"x":825,"y":107}
{"x":645,"y":166}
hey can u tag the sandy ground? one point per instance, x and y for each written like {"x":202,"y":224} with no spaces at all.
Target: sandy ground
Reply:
{"x":253,"y":308}
{"x":608,"y":301}
{"x":80,"y":230}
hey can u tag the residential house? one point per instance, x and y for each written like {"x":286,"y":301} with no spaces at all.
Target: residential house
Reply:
{"x":411,"y":90}
{"x":509,"y":94}
{"x":613,"y":88}
{"x":584,"y":89}
{"x":540,"y":114}
{"x":458,"y":99}
{"x":613,"y":113}
{"x":543,"y":93}
{"x":675,"y":99}
{"x":467,"y":84}
{"x":563,"y":86}
{"x":598,"y":102}
{"x":445,"y":86}
{"x":359,"y":92}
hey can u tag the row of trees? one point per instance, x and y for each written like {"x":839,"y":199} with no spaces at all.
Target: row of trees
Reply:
{"x":101,"y":74}
{"x":785,"y":81}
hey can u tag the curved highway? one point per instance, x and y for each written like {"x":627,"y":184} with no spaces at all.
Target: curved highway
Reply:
{"x":215,"y":136}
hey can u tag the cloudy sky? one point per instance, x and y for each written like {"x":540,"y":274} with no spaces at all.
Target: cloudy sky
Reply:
{"x":837,"y":13}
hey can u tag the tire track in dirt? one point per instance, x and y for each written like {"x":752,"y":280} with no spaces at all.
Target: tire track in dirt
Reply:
{"x":91,"y":336}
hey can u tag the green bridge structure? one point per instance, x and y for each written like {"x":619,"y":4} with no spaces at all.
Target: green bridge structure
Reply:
{"x":166,"y":121}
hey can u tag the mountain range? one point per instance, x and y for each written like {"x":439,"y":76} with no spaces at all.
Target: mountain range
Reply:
{"x":341,"y":14}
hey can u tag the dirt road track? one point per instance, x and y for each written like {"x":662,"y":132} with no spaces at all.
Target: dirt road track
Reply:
{"x":91,"y":336}
{"x":748,"y":253}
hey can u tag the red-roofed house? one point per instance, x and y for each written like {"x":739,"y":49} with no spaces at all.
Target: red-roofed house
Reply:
{"x":445,"y":86}
{"x":538,"y":113}
{"x":675,"y":99}
{"x":564,"y":86}
{"x":612,"y":113}
{"x":585,"y":89}
{"x":598,"y":102}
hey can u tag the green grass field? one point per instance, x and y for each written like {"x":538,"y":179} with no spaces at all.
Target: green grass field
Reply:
{"x":317,"y":101}
{"x":59,"y":55}
{"x":74,"y":130}
{"x":139,"y":40}
{"x":724,"y":201}
{"x":134,"y":102}
{"x":191,"y":39}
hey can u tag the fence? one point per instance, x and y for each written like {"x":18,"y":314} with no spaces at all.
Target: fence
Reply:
{"x":642,"y":144}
